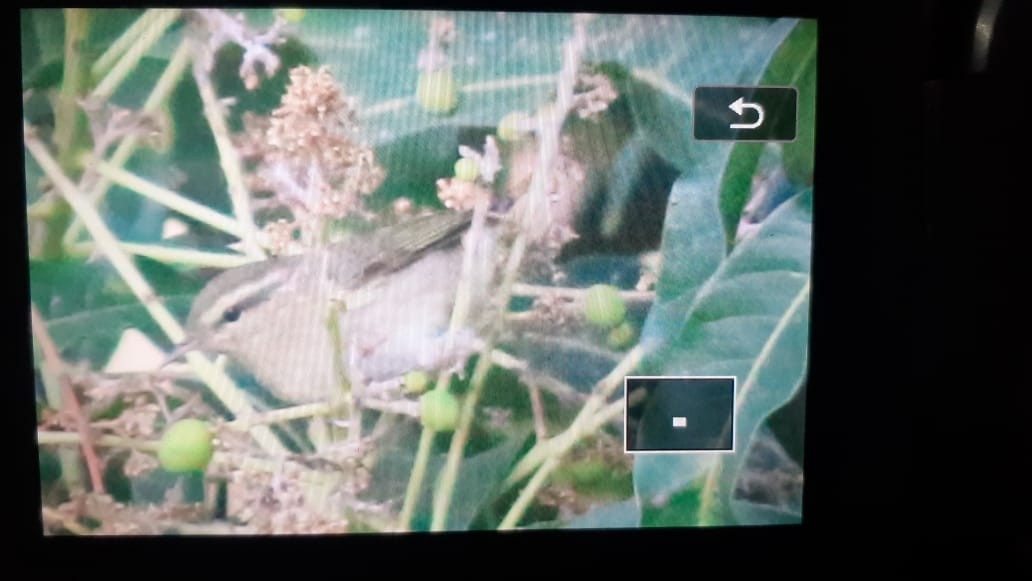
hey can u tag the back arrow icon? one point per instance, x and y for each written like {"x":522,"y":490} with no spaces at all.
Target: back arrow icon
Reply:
{"x":739,"y":107}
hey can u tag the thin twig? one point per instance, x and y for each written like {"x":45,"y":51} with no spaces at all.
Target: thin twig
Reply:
{"x":125,"y":65}
{"x":52,"y":358}
{"x":162,"y":89}
{"x":582,"y":425}
{"x":216,"y":379}
{"x":412,"y":491}
{"x":531,"y":290}
{"x":172,"y":255}
{"x":536,"y":214}
{"x":538,"y":410}
{"x":540,"y":478}
{"x":229,"y":158}
{"x":123,"y":42}
{"x":169,"y":198}
{"x":522,"y":502}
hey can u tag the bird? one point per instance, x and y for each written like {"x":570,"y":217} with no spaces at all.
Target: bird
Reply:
{"x":391,"y":292}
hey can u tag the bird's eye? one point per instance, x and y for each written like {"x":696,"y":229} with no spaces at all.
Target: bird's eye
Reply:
{"x":231,"y":314}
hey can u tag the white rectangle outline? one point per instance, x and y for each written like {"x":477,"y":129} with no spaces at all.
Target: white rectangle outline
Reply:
{"x":734,"y":414}
{"x":793,"y":140}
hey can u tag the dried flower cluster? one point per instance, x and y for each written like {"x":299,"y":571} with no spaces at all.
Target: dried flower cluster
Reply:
{"x":221,"y":28}
{"x":275,"y":503}
{"x":308,"y":156}
{"x":460,"y":194}
{"x":117,"y":518}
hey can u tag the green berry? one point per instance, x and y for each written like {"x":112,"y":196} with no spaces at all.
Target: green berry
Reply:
{"x":466,"y":169}
{"x":416,"y":382}
{"x":186,"y":446}
{"x":510,"y":127}
{"x":603,"y":306}
{"x":440,"y":410}
{"x":622,"y":335}
{"x":437,"y":91}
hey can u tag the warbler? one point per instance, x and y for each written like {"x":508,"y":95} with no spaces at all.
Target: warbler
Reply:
{"x":392,"y":293}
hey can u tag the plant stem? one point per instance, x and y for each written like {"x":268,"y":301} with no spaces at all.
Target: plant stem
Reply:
{"x":162,"y":89}
{"x":449,"y":474}
{"x":153,"y":32}
{"x":229,"y":160}
{"x":66,"y":115}
{"x":519,"y":506}
{"x":531,"y":290}
{"x":123,"y":42}
{"x":172,"y":255}
{"x":533,"y":217}
{"x":52,"y":359}
{"x":51,"y":438}
{"x":284,"y":415}
{"x":460,"y":312}
{"x":66,"y":128}
{"x":169,"y":198}
{"x":216,"y":379}
{"x":522,"y":502}
{"x":583,"y":424}
{"x":412,"y":493}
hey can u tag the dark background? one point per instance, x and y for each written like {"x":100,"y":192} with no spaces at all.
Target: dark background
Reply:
{"x":919,"y":336}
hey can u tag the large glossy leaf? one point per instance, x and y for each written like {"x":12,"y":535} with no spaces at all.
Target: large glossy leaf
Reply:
{"x":793,"y":65}
{"x":87,"y":307}
{"x":749,"y":320}
{"x":670,"y":56}
{"x":692,"y":248}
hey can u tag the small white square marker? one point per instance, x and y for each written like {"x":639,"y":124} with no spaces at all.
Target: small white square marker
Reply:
{"x":680,"y":422}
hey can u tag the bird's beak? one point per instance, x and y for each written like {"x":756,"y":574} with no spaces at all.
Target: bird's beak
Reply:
{"x":179,"y":351}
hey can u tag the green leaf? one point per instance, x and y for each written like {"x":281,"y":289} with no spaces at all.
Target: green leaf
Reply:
{"x":792,"y":65}
{"x":42,"y":39}
{"x":87,"y":307}
{"x":692,"y":248}
{"x":749,"y":320}
{"x":669,"y":56}
{"x":800,"y":153}
{"x":619,"y":515}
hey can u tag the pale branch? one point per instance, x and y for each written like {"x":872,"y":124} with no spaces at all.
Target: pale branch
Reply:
{"x":216,"y":379}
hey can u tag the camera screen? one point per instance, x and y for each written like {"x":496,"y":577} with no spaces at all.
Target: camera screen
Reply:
{"x":299,"y":271}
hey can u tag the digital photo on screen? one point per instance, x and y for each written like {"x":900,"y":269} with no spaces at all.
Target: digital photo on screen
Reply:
{"x":336,"y":271}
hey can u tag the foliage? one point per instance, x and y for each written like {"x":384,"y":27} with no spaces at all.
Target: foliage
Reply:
{"x":726,"y":301}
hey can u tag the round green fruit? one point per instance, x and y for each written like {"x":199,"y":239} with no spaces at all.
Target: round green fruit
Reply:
{"x":622,"y":335}
{"x":510,"y":128}
{"x":186,"y":446}
{"x":437,"y":91}
{"x":440,"y":410}
{"x":604,"y":307}
{"x":416,"y":382}
{"x":466,"y":169}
